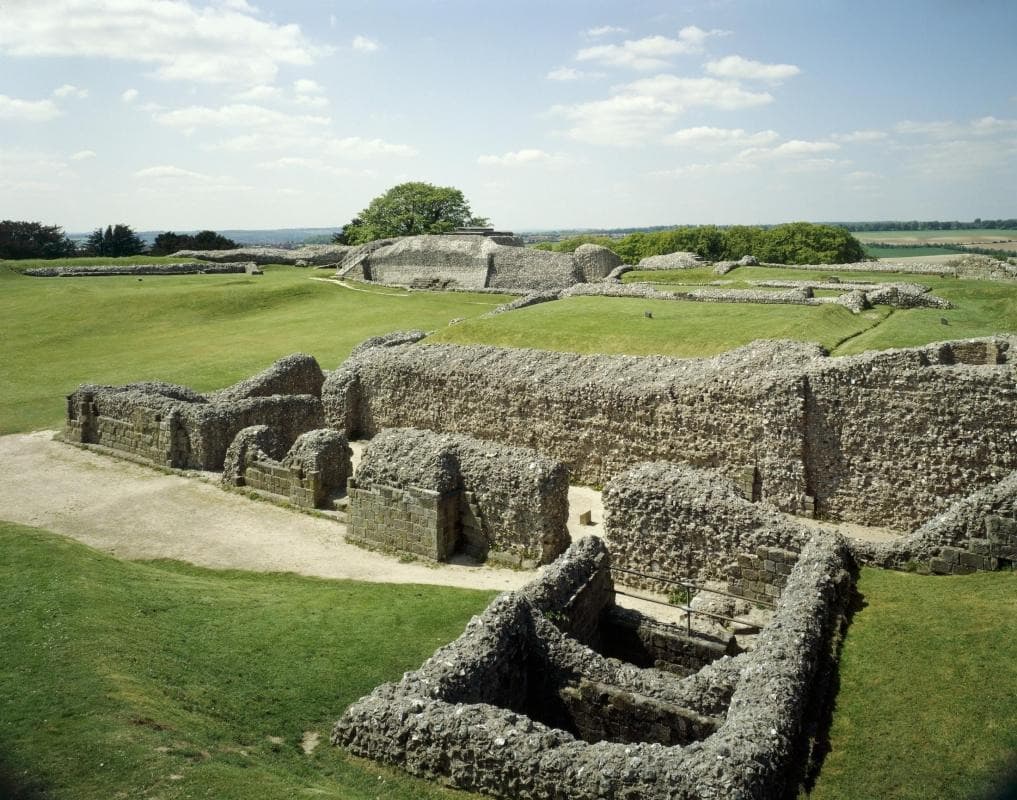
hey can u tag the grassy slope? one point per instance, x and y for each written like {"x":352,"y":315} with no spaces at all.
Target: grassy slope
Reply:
{"x":928,"y":698}
{"x":205,"y":331}
{"x":960,"y":235}
{"x":618,"y":325}
{"x":130,"y":680}
{"x":21,"y":264}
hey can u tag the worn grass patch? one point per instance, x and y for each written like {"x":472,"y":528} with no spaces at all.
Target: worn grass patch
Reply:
{"x":134,"y":680}
{"x":928,"y":690}
{"x":204,"y":331}
{"x":676,"y":328}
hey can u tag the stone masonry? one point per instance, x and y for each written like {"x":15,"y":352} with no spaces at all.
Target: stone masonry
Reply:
{"x":174,"y":426}
{"x":437,"y":494}
{"x":518,"y":708}
{"x":871,"y":439}
{"x":310,"y":474}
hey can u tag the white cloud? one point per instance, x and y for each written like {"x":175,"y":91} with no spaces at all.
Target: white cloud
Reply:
{"x":129,"y":96}
{"x":209,"y":44}
{"x":167,"y":172}
{"x":307,"y":86}
{"x":364,"y":44}
{"x":603,"y":30}
{"x":166,"y":177}
{"x":798,"y":147}
{"x":27,"y":110}
{"x":571,"y":74}
{"x":860,"y":136}
{"x":82,"y":155}
{"x":311,"y":101}
{"x":33,"y":171}
{"x":738,"y":68}
{"x":651,"y":52}
{"x":356,"y":147}
{"x":523,"y":157}
{"x":313,"y":164}
{"x":69,"y":90}
{"x":706,"y":138}
{"x":259,"y":93}
{"x":645,"y":107}
{"x":237,"y":115}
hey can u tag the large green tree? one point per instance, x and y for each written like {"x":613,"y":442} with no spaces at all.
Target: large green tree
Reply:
{"x":169,"y":242}
{"x":117,"y":240}
{"x":33,"y":240}
{"x":410,"y":209}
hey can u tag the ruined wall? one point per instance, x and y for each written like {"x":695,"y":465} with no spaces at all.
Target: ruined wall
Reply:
{"x":598,"y":414}
{"x":409,"y":519}
{"x":516,"y":709}
{"x":315,"y":467}
{"x":176,"y":427}
{"x":525,"y":268}
{"x":594,"y":262}
{"x":197,"y":268}
{"x":294,"y":374}
{"x":676,"y":521}
{"x":894,"y":437}
{"x":505,"y":503}
{"x":880,"y":439}
{"x":460,"y":260}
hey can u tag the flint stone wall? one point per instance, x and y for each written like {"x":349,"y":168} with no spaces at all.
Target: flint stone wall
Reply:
{"x":976,"y":533}
{"x":595,"y":262}
{"x":490,"y":711}
{"x":493,"y":502}
{"x":315,"y":467}
{"x":176,"y":427}
{"x":871,"y":439}
{"x":676,"y":521}
{"x":316,"y":254}
{"x":196,"y":268}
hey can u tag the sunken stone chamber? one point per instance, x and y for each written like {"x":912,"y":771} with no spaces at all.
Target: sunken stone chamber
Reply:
{"x":521,"y":707}
{"x":435,"y":495}
{"x":175,"y":426}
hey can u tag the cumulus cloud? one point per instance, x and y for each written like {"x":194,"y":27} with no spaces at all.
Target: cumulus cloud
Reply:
{"x":166,"y":172}
{"x":27,"y":110}
{"x":860,"y":136}
{"x":523,"y":157}
{"x":364,"y":44}
{"x":82,"y":155}
{"x":224,"y":43}
{"x":602,"y":30}
{"x":307,"y":86}
{"x":571,"y":74}
{"x":237,"y":115}
{"x":298,"y":162}
{"x":129,"y":96}
{"x":69,"y":90}
{"x":651,"y":52}
{"x":259,"y":93}
{"x":644,"y":108}
{"x":738,"y":68}
{"x":707,"y":138}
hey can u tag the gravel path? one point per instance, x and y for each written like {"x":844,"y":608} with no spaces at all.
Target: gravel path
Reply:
{"x":135,"y":512}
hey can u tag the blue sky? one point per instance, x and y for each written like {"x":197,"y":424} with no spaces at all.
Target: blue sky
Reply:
{"x":183,"y":114}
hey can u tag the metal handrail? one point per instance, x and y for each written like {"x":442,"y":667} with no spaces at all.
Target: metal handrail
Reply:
{"x":689,"y":611}
{"x":688,"y":584}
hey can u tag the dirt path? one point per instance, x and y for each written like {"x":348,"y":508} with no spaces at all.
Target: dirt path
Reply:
{"x":134,"y":512}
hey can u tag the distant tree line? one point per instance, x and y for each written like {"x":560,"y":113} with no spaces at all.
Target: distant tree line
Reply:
{"x":19,"y":239}
{"x":930,"y":225}
{"x":793,"y":243}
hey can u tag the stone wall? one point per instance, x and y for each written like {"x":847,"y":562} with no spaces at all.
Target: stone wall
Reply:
{"x":594,"y":262}
{"x":176,"y":427}
{"x":316,"y":254}
{"x":196,"y":268}
{"x":503,"y":503}
{"x":978,"y":532}
{"x":871,"y":439}
{"x":314,"y":469}
{"x":517,"y":709}
{"x":679,"y":522}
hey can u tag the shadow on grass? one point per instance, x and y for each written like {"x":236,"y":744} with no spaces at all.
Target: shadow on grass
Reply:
{"x":814,"y":741}
{"x":20,"y":786}
{"x":1006,"y":787}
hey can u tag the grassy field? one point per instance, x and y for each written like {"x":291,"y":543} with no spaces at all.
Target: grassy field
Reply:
{"x":205,"y":331}
{"x":874,"y":251}
{"x":928,"y":691}
{"x":618,"y":325}
{"x":160,"y":680}
{"x":124,"y":680}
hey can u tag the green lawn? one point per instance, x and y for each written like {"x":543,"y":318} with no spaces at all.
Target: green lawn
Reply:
{"x":136,"y":680}
{"x":959,"y":235}
{"x":677,"y":328}
{"x":927,"y":706}
{"x":911,"y":252}
{"x":205,"y":331}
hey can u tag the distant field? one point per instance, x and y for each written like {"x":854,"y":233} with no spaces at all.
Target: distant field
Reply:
{"x":975,"y":236}
{"x":875,"y":251}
